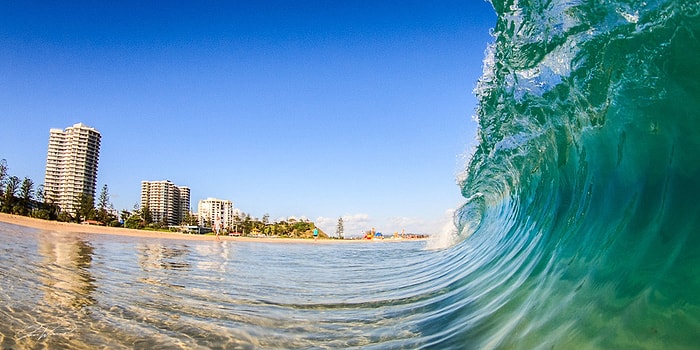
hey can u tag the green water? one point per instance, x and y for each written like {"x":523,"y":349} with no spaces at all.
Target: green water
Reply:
{"x":590,"y":147}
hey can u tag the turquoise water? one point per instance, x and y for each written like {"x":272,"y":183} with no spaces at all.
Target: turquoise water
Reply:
{"x":580,"y":228}
{"x":583,"y":192}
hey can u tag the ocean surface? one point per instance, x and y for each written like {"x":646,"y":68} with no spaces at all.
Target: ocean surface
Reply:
{"x":87,"y":291}
{"x":580,"y":228}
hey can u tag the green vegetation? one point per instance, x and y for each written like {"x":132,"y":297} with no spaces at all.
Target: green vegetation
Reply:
{"x":20,"y":198}
{"x":245,"y":225}
{"x":340,"y":228}
{"x":17,"y":197}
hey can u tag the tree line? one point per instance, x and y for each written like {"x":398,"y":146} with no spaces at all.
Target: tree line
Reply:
{"x":244,"y":224}
{"x":20,"y":197}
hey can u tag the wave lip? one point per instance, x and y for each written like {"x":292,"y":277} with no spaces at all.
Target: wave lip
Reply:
{"x":586,"y":173}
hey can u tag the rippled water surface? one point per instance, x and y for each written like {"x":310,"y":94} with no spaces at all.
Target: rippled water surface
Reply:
{"x":66,"y":290}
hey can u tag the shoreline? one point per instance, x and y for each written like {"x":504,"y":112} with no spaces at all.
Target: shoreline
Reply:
{"x":48,"y":225}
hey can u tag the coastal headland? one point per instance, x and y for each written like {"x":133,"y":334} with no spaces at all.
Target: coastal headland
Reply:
{"x":46,"y":225}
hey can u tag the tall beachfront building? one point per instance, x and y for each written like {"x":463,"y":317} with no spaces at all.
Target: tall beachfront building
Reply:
{"x":167,"y":202}
{"x":71,"y":166}
{"x":184,"y":202}
{"x":211,"y":209}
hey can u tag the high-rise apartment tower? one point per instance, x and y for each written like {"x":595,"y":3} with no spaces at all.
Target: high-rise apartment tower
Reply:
{"x":71,"y":166}
{"x":167,"y":202}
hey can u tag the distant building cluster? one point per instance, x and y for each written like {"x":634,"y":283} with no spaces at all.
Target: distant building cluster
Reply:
{"x":71,"y":175}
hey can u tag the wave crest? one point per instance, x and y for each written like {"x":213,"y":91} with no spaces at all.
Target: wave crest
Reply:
{"x":586,"y":170}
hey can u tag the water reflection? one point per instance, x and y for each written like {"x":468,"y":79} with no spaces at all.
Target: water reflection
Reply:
{"x":66,"y":279}
{"x":61,"y":270}
{"x":72,"y":291}
{"x":215,"y":257}
{"x":156,"y":256}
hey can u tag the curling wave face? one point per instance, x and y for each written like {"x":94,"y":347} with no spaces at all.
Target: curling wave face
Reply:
{"x":582,"y":195}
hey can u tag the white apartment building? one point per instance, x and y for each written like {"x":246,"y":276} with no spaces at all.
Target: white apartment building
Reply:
{"x":184,"y":202}
{"x":167,"y":202}
{"x":71,"y":166}
{"x":211,"y":209}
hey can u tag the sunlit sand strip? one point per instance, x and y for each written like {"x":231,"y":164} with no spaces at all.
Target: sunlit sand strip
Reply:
{"x":78,"y":228}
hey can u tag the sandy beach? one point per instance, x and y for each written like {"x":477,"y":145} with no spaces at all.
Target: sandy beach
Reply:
{"x":80,"y":228}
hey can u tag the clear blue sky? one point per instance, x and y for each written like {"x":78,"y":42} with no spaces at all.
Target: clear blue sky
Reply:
{"x":321,"y":109}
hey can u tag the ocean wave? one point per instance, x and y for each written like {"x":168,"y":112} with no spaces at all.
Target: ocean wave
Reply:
{"x":584,"y":181}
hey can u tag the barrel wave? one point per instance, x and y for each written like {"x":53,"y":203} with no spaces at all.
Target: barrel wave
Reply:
{"x":582,"y":221}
